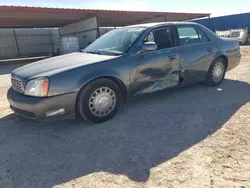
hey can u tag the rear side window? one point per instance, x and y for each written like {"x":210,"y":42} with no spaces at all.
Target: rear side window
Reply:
{"x":188,"y":35}
{"x":202,"y":35}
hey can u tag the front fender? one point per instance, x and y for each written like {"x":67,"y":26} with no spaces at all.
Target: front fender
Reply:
{"x":73,"y":80}
{"x":100,"y":74}
{"x":115,"y":71}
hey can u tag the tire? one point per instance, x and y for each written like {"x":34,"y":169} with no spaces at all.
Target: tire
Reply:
{"x":103,"y":96}
{"x":213,"y":78}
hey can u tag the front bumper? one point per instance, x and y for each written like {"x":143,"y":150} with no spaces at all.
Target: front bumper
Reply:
{"x":36,"y":107}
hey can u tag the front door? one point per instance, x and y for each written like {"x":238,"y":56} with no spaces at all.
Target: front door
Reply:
{"x":197,"y":52}
{"x":159,"y":69}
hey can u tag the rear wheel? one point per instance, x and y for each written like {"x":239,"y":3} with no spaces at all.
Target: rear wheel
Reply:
{"x":216,"y":72}
{"x":99,"y":101}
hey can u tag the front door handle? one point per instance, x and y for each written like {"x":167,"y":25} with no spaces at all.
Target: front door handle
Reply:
{"x":172,"y":57}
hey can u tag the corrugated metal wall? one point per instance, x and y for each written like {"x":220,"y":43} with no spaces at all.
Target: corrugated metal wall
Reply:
{"x":77,"y":27}
{"x":54,"y":32}
{"x":8,"y":46}
{"x":237,"y":21}
{"x":28,"y":42}
{"x":86,"y":31}
{"x":86,"y":38}
{"x":34,"y":41}
{"x":16,"y":43}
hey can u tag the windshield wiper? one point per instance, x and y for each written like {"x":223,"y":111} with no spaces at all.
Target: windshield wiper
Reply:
{"x":94,"y":52}
{"x":104,"y":52}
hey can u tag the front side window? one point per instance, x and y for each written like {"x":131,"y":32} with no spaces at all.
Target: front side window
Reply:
{"x":187,"y":35}
{"x":162,"y":37}
{"x":115,"y":42}
{"x":150,"y":37}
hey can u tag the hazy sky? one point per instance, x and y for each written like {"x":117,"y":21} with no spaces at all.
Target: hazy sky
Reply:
{"x":216,"y":7}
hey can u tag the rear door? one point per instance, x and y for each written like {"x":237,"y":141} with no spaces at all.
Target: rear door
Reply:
{"x":159,"y":69}
{"x":197,"y":52}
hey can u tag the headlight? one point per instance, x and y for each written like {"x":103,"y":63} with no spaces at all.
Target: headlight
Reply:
{"x":38,"y":87}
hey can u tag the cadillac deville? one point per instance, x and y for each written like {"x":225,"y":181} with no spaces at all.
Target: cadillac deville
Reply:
{"x":128,"y":61}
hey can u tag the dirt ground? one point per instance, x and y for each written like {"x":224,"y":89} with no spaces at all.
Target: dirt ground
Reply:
{"x":192,"y":137}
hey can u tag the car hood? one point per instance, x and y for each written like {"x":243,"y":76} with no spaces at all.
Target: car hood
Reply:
{"x":50,"y":66}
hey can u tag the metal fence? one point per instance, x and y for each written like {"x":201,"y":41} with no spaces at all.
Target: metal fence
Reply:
{"x":16,"y":43}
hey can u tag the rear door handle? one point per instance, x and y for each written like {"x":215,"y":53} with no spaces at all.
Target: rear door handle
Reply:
{"x":172,"y":57}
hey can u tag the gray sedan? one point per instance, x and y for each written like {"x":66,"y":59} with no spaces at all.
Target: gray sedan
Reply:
{"x":124,"y":62}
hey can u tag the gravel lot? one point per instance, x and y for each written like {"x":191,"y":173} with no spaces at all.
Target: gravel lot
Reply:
{"x":191,"y":137}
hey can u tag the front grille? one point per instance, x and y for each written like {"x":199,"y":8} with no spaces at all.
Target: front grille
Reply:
{"x":17,"y":84}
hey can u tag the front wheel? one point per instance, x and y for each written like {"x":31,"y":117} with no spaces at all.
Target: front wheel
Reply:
{"x":216,"y":72}
{"x":99,"y":101}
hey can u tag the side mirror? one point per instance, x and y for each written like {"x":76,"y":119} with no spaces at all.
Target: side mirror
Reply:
{"x":149,"y":46}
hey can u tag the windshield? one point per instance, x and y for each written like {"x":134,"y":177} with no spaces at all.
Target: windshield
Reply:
{"x":115,"y":42}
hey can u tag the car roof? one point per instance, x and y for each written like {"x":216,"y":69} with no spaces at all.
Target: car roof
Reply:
{"x":156,"y":24}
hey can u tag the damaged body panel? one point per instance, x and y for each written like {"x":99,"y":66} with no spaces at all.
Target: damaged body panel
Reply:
{"x":156,"y":71}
